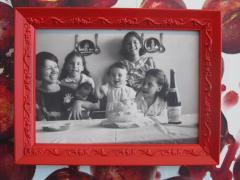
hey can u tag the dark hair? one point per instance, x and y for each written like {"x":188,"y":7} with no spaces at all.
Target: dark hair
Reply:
{"x":116,"y":65}
{"x":124,"y":51}
{"x":85,"y":85}
{"x":68,"y":58}
{"x":161,"y":80}
{"x":40,"y":61}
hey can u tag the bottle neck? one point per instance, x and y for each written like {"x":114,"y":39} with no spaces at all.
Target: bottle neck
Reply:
{"x":172,"y":79}
{"x":173,"y":97}
{"x":172,"y":89}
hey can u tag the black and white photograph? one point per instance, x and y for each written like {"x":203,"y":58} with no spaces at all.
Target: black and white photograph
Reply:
{"x":117,"y":86}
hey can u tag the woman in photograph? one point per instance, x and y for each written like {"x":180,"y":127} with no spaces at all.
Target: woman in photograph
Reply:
{"x":135,"y":59}
{"x":48,"y":93}
{"x":75,"y":73}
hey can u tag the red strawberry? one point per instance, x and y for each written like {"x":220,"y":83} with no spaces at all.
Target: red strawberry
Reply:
{"x":236,"y":168}
{"x":6,"y":27}
{"x":8,"y":169}
{"x":70,"y":173}
{"x":230,"y":10}
{"x":123,"y":172}
{"x":92,"y":3}
{"x":162,"y":4}
{"x":6,"y":108}
{"x":47,"y":3}
{"x":230,"y":99}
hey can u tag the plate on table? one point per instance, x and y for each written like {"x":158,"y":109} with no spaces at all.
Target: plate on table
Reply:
{"x":56,"y":127}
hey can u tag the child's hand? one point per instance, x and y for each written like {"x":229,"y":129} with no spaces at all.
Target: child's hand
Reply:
{"x":90,"y":80}
{"x":76,"y":112}
{"x":101,"y":91}
{"x":54,"y":114}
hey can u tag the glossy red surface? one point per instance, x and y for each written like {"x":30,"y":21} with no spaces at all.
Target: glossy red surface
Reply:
{"x":230,"y":11}
{"x":162,"y":4}
{"x":6,"y":27}
{"x":70,"y":173}
{"x":6,"y":108}
{"x":124,"y":172}
{"x":8,"y":168}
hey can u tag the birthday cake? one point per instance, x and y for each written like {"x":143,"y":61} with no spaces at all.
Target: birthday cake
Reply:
{"x":125,"y":115}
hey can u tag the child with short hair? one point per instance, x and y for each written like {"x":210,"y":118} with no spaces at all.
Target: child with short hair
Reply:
{"x":116,"y":89}
{"x":84,"y":92}
{"x":75,"y":71}
{"x":152,"y":97}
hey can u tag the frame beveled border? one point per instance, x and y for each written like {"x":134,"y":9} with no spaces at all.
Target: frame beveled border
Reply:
{"x":207,"y":23}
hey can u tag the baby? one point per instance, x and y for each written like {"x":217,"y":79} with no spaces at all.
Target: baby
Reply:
{"x":83,"y":92}
{"x":116,"y":90}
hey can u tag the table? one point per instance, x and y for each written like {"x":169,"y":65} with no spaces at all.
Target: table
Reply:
{"x":90,"y":132}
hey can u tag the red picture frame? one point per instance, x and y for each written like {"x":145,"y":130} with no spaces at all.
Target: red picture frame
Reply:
{"x":207,"y":23}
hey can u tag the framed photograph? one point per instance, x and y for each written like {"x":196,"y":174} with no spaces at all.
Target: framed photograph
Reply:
{"x":117,"y":86}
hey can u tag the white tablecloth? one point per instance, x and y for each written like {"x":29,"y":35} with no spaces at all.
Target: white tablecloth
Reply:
{"x":90,"y":132}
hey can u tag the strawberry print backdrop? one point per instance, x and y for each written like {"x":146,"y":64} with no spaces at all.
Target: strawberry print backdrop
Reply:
{"x":229,"y":166}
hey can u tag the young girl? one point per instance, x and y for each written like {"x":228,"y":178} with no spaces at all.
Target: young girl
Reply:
{"x":116,"y":89}
{"x":74,"y":72}
{"x":151,"y":99}
{"x":135,"y":59}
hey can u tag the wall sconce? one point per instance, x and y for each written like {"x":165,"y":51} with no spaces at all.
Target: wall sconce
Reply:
{"x":87,"y":47}
{"x":153,"y":45}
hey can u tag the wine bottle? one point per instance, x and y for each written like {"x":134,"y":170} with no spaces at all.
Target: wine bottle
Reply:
{"x":173,"y":97}
{"x":173,"y":101}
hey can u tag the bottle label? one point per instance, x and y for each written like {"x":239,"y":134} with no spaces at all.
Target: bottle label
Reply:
{"x":174,"y":114}
{"x":8,"y":2}
{"x":172,"y":90}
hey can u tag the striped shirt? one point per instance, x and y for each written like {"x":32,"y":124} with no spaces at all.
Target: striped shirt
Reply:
{"x":137,"y":70}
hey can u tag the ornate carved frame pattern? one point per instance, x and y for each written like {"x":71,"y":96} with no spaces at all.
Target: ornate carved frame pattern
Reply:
{"x":207,"y":23}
